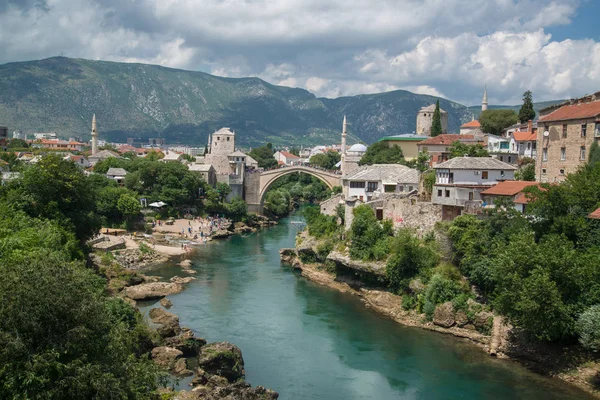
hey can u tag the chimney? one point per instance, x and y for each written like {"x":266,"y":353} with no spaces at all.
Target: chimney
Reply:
{"x":530,"y":126}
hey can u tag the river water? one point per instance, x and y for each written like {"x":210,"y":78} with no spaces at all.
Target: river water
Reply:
{"x":310,"y":342}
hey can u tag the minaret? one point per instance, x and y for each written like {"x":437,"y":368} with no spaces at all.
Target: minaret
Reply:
{"x":484,"y":102}
{"x":344,"y":134}
{"x":94,"y":136}
{"x":209,"y":141}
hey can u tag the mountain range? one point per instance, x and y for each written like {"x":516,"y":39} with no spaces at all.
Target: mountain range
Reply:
{"x":143,"y":101}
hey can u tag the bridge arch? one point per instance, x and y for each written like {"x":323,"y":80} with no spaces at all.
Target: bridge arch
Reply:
{"x":267,"y":178}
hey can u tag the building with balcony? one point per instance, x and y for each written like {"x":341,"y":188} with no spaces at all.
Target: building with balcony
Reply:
{"x":371,"y":181}
{"x":459,"y":182}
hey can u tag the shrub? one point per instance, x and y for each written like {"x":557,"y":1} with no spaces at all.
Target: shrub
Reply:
{"x":588,"y":328}
{"x":408,"y":302}
{"x":441,"y":289}
{"x":429,"y":309}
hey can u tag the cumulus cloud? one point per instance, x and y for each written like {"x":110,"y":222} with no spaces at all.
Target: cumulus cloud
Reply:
{"x":333,"y":48}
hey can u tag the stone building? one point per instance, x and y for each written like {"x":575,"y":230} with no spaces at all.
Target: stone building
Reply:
{"x":565,"y":134}
{"x":372,"y":181}
{"x":425,"y":119}
{"x":407,"y":142}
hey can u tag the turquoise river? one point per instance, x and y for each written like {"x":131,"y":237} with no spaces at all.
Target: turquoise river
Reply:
{"x":311,"y":342}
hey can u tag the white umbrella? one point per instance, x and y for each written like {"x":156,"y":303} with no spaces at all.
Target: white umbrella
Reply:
{"x":158,"y":204}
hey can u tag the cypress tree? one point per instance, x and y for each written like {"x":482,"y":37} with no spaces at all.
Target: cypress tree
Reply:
{"x":436,"y":123}
{"x":527,"y":112}
{"x":594,"y":156}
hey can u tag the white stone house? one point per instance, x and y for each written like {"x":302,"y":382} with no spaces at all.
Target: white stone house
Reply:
{"x":117,"y":174}
{"x":171,"y":156}
{"x":286,"y":158}
{"x":371,"y":181}
{"x":206,"y":172}
{"x":459,"y":182}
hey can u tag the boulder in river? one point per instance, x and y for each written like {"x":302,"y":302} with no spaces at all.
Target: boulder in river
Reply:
{"x":223,"y":359}
{"x":153,"y":290}
{"x":186,"y":342}
{"x":181,"y":368}
{"x":189,"y":271}
{"x":169,"y":322}
{"x":166,"y":356}
{"x":221,"y":233}
{"x":444,"y":315}
{"x":166,"y":303}
{"x":182,"y":281}
{"x":186,"y":264}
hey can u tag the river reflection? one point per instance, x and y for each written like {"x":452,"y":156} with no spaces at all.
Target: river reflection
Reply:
{"x":311,"y":342}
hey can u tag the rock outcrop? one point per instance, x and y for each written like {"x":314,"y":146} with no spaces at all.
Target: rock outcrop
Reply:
{"x":223,"y":359}
{"x":444,"y":315}
{"x":166,"y":303}
{"x":153,"y":290}
{"x":182,"y":281}
{"x":166,"y":356}
{"x":186,"y":342}
{"x":186,"y":264}
{"x":169,"y":322}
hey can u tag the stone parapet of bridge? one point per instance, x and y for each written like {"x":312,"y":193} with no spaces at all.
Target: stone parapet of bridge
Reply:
{"x":257,"y":183}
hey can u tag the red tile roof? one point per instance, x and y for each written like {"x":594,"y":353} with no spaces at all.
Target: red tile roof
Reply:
{"x":595,"y":214}
{"x":510,"y":188}
{"x":525,"y":136}
{"x":288,"y":154}
{"x":472,"y":124}
{"x":574,"y":111}
{"x":445,"y":139}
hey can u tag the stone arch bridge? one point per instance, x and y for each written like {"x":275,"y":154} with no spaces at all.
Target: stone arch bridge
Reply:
{"x":257,"y":183}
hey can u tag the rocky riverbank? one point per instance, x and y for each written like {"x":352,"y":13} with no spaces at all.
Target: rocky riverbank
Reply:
{"x":491,"y":333}
{"x":217,"y":369}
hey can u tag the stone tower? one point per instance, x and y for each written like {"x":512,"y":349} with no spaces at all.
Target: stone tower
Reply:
{"x":484,"y":102}
{"x":425,"y":120}
{"x":94,"y":136}
{"x":223,"y":142}
{"x":343,"y":149}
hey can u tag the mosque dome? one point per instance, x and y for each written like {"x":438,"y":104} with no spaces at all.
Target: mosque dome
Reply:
{"x":358,"y":148}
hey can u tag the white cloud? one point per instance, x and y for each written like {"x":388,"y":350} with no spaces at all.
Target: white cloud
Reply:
{"x":333,"y":48}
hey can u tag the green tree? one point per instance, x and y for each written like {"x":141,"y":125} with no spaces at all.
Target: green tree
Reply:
{"x":277,"y":202}
{"x":18,"y":144}
{"x":264,"y":156}
{"x":326,"y":160}
{"x":588,"y":328}
{"x":459,"y":149}
{"x":436,"y":123}
{"x":368,"y":239}
{"x":495,"y":121}
{"x":527,"y":112}
{"x":237,"y":209}
{"x":57,"y":189}
{"x":223,"y":189}
{"x":594,"y":156}
{"x":128,"y":206}
{"x":408,"y":257}
{"x":381,"y":153}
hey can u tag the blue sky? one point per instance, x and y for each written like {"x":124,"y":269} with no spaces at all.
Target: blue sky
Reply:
{"x":449,"y":48}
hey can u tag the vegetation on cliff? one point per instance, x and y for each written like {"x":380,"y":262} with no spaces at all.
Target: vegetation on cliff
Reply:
{"x":61,"y":336}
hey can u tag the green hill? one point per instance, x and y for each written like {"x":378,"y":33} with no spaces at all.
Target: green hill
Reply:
{"x":476,"y":110}
{"x":136,"y":100}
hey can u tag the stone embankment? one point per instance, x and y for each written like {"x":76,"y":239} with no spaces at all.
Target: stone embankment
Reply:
{"x":360,"y":278}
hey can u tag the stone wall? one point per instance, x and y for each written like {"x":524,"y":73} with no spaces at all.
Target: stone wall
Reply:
{"x":251,"y":194}
{"x":550,"y":170}
{"x":328,"y":206}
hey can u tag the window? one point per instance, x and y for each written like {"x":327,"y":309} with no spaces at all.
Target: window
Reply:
{"x":447,"y":193}
{"x":470,"y":195}
{"x":562,"y":171}
{"x":484,"y":174}
{"x":597,"y":130}
{"x":543,"y":170}
{"x":564,"y":133}
{"x":357,"y":185}
{"x":389,"y":188}
{"x":545,"y":155}
{"x":228,"y":138}
{"x":563,"y":153}
{"x":583,"y":130}
{"x":509,"y":159}
{"x":372,"y":186}
{"x":218,"y":138}
{"x":502,"y":174}
{"x":582,"y":153}
{"x":410,"y":188}
{"x":401,"y":188}
{"x":528,"y":145}
{"x":440,"y":193}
